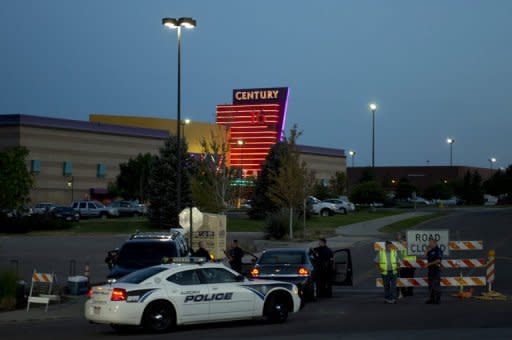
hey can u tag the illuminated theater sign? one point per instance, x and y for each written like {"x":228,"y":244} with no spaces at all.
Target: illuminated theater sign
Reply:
{"x":255,"y":122}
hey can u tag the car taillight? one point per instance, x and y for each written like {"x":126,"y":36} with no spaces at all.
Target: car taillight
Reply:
{"x":118,"y":294}
{"x":89,"y":293}
{"x":255,"y":272}
{"x":303,"y":271}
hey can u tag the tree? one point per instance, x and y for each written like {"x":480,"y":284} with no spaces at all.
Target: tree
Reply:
{"x":367,"y":175}
{"x":367,"y":193}
{"x":212,"y":181}
{"x":164,"y":209}
{"x":404,"y":189}
{"x":291,"y":180}
{"x":261,"y":206}
{"x":338,"y":183}
{"x":438,"y":191}
{"x":321,"y":191}
{"x":16,"y":181}
{"x":477,"y":192}
{"x":133,"y":179}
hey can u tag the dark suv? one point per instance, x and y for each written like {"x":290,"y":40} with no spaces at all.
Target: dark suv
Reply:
{"x":145,"y":250}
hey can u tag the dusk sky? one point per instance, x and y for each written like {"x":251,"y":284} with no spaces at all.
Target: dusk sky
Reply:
{"x":436,"y":69}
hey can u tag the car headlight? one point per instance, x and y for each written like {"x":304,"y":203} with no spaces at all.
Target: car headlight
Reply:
{"x":295,"y":290}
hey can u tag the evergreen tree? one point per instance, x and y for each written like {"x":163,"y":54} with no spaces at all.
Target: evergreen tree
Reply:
{"x":133,"y":179}
{"x":477,"y":193}
{"x":338,"y":183}
{"x":261,"y":206}
{"x":15,"y":179}
{"x":164,"y":209}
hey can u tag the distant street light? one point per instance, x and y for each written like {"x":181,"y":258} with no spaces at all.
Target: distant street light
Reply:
{"x":373,"y":108}
{"x":451,"y":141}
{"x":492,"y":160}
{"x":71,"y":185}
{"x":353,"y":154}
{"x":178,"y":24}
{"x":183,"y":124}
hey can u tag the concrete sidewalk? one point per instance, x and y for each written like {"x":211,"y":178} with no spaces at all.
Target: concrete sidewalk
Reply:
{"x":70,"y":309}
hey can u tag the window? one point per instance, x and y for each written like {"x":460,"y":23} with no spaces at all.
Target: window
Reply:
{"x":281,"y":257}
{"x":83,"y":205}
{"x":35,"y":166}
{"x":218,"y":275}
{"x":185,"y":278}
{"x":67,"y":168}
{"x":101,"y":170}
{"x":91,"y":205}
{"x":141,"y":275}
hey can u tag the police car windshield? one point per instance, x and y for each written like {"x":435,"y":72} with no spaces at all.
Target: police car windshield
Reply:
{"x":142,"y":254}
{"x":283,"y":257}
{"x":141,"y":275}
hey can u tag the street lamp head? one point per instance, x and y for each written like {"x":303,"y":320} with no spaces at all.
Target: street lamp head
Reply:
{"x":352,"y":153}
{"x":240,"y":142}
{"x":450,"y":140}
{"x":187,"y":22}
{"x":373,"y":107}
{"x":187,"y":121}
{"x":173,"y":23}
{"x":492,"y":160}
{"x":170,"y":23}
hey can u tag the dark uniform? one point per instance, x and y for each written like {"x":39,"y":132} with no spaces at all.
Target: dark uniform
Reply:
{"x":235,"y":258}
{"x":201,"y":252}
{"x":434,"y":275}
{"x":324,"y":270}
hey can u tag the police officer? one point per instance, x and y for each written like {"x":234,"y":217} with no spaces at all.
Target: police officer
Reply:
{"x":434,"y":256}
{"x":324,"y":259}
{"x":202,"y":252}
{"x":235,"y":255}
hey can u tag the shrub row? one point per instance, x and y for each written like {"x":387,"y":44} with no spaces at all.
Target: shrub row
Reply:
{"x":25,"y":224}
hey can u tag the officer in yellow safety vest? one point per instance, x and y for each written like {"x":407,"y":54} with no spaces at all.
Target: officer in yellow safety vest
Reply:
{"x":405,"y":272}
{"x":387,"y":261}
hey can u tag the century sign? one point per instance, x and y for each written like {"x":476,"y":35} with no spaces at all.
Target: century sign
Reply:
{"x":417,"y":241}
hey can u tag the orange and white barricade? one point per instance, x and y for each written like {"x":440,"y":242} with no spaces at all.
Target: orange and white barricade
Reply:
{"x":491,"y":270}
{"x":39,"y":279}
{"x":445,"y":281}
{"x":458,"y":281}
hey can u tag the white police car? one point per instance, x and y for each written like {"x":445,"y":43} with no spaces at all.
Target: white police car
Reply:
{"x":163,"y":296}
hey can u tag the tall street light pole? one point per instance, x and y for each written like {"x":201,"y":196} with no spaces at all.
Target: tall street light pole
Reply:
{"x":373,"y":108}
{"x":240,"y":143}
{"x":183,"y":124}
{"x":451,"y":141}
{"x":178,"y":24}
{"x":353,"y":155}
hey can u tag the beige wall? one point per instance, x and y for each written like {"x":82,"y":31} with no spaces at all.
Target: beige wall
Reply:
{"x":324,"y":166}
{"x":52,"y":147}
{"x":10,"y":136}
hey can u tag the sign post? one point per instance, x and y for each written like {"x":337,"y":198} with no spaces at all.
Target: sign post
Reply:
{"x":417,"y":241}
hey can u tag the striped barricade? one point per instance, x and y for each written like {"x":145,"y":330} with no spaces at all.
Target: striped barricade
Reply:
{"x":459,"y":263}
{"x":445,"y":281}
{"x":41,"y":279}
{"x":490,"y":272}
{"x":452,"y":245}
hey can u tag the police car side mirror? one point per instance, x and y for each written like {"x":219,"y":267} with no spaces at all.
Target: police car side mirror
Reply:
{"x":240,"y":278}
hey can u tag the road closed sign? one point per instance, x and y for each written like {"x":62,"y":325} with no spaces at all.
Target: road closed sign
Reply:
{"x":417,"y":241}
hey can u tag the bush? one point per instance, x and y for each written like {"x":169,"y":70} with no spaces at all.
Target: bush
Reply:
{"x":276,"y":226}
{"x":8,"y":285}
{"x":25,"y":224}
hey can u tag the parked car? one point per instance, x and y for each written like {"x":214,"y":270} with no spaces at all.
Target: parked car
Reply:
{"x":321,"y":208}
{"x":65,"y":213}
{"x":88,"y":209}
{"x":44,"y":207}
{"x":145,"y":250}
{"x":342,"y":207}
{"x":419,"y":201}
{"x":298,"y":266}
{"x":490,"y":200}
{"x":351,"y":205}
{"x":450,"y":201}
{"x":128,"y":208}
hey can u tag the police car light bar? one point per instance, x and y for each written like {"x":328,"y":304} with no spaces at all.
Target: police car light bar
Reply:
{"x":188,"y":260}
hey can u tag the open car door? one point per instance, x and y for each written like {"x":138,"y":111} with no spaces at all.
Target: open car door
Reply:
{"x":342,"y":268}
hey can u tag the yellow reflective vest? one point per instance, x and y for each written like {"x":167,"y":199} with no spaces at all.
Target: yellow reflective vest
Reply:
{"x":383,"y":261}
{"x":407,"y":258}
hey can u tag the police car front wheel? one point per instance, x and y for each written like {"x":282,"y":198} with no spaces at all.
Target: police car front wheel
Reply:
{"x":159,"y":317}
{"x":276,"y":309}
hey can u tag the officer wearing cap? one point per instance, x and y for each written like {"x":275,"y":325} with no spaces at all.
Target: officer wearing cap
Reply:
{"x":324,"y":259}
{"x":434,"y":256}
